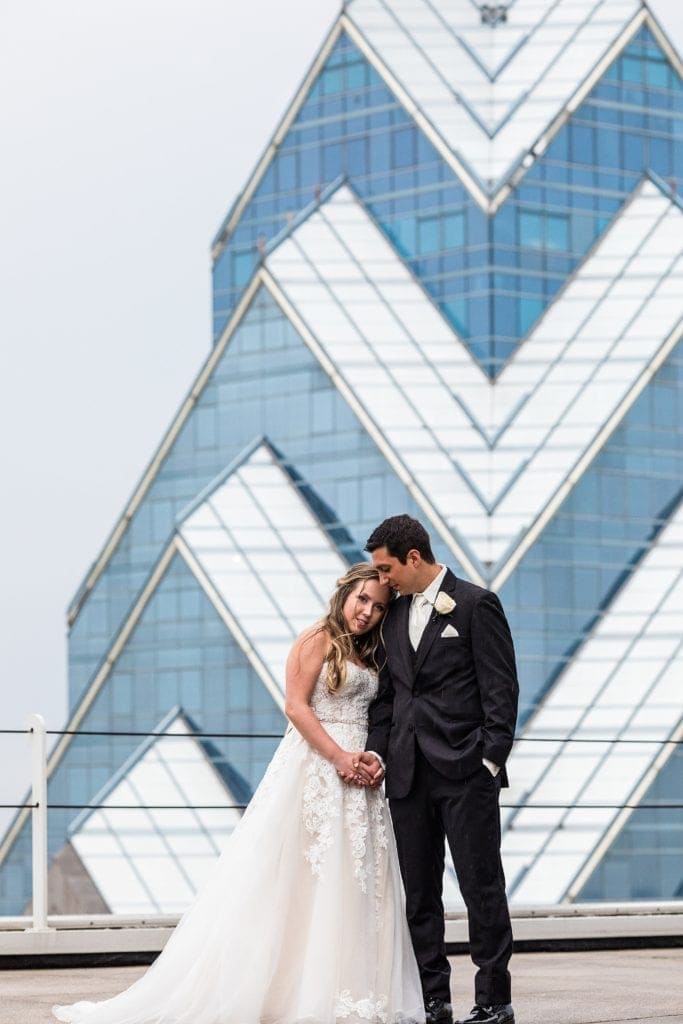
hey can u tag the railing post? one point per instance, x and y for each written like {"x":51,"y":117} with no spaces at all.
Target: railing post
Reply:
{"x":38,"y":740}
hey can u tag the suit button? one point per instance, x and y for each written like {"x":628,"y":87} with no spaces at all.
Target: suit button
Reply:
{"x":411,"y":728}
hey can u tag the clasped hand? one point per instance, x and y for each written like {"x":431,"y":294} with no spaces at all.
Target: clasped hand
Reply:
{"x":359,"y":768}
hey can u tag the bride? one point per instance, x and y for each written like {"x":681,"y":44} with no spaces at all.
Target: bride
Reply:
{"x":301,"y":920}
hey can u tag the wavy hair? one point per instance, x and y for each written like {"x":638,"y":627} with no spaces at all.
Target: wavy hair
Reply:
{"x":343,"y":644}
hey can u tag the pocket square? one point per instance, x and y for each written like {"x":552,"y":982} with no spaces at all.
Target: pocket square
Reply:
{"x":450,"y":631}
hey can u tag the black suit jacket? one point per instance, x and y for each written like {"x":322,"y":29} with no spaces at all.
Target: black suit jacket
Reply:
{"x":456,"y":696}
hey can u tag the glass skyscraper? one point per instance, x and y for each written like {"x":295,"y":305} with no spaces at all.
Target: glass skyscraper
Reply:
{"x":453,"y":287}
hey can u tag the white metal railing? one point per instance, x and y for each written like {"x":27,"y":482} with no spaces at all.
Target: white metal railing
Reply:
{"x":38,"y":741}
{"x":36,"y":733}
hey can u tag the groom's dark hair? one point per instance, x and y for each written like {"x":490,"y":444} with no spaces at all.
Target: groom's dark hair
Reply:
{"x":399,"y":535}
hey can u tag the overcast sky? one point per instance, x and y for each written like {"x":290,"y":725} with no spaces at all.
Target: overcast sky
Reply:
{"x":127,"y":129}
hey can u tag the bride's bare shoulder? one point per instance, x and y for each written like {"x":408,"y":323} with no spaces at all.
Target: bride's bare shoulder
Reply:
{"x":311,"y":646}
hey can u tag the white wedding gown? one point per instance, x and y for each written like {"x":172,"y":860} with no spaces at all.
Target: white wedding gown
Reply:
{"x":301,"y":920}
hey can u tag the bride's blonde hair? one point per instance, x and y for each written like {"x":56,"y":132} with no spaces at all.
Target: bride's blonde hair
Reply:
{"x":343,"y":644}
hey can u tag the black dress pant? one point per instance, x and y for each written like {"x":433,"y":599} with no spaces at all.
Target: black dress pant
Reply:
{"x":466,"y":813}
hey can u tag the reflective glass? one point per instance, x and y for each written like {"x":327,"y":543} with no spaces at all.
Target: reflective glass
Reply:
{"x":167,"y":852}
{"x":526,"y":465}
{"x":259,"y":491}
{"x":584,"y":773}
{"x":644,"y":861}
{"x":581,"y":159}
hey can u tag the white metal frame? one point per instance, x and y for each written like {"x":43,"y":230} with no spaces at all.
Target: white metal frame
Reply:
{"x":38,"y":740}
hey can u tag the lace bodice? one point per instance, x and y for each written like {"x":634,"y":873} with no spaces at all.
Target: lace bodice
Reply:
{"x":349,"y":705}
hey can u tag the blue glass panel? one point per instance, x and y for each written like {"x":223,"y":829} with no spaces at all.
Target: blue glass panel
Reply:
{"x":242,"y":265}
{"x":454,"y":230}
{"x":206,"y":673}
{"x":357,"y":157}
{"x":398,"y":174}
{"x":428,"y":234}
{"x":529,"y":312}
{"x":599,"y":532}
{"x":504,"y":226}
{"x":404,"y":234}
{"x":404,"y":148}
{"x":380,"y":152}
{"x":634,"y":158}
{"x":286,"y":172}
{"x":644,"y":861}
{"x":356,"y":76}
{"x":309,"y":164}
{"x":557,"y":232}
{"x":530,"y":230}
{"x":332,"y":78}
{"x":205,"y":427}
{"x":332,"y":162}
{"x":456,"y":311}
{"x":658,"y":74}
{"x":632,"y":69}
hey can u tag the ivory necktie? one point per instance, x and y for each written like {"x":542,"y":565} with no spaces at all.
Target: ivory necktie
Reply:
{"x":419,"y":614}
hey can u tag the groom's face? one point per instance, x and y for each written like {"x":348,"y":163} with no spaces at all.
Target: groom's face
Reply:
{"x":399,"y":576}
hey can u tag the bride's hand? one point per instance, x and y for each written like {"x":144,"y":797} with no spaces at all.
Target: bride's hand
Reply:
{"x":351,"y":769}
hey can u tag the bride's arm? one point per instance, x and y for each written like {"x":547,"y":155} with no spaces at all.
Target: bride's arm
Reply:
{"x":303,"y":668}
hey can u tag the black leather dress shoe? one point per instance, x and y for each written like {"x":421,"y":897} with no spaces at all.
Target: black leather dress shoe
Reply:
{"x":438,"y":1012}
{"x":499,"y":1013}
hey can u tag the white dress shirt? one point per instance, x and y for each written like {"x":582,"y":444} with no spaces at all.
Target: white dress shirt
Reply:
{"x":421,"y":608}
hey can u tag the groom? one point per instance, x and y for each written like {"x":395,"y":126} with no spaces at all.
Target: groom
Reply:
{"x":443,"y":721}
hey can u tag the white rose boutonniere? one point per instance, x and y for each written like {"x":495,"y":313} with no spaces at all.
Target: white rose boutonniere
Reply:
{"x":443,"y":604}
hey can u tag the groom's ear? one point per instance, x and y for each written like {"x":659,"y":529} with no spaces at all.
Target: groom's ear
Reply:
{"x":413,"y":558}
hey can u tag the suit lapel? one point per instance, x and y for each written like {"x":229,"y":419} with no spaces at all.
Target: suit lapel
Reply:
{"x":435,"y":624}
{"x":400,"y":637}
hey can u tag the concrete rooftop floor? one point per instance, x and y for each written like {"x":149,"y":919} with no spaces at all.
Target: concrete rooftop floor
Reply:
{"x":634,"y":986}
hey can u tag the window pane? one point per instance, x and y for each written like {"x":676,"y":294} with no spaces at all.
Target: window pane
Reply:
{"x":404,"y":154}
{"x":557,"y":232}
{"x":531,"y":230}
{"x":529,"y":312}
{"x":287,"y":171}
{"x":428,"y":234}
{"x":454,"y":230}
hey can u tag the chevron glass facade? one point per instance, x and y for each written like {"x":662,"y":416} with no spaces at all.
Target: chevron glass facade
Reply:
{"x":491,"y":276}
{"x":451,"y":288}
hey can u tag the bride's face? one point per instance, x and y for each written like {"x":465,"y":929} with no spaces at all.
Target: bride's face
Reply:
{"x":365,"y":605}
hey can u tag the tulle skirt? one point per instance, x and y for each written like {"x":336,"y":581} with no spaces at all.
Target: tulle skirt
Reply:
{"x":301,"y":920}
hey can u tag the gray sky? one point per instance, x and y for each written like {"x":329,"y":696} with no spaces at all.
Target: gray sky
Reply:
{"x":127,"y":127}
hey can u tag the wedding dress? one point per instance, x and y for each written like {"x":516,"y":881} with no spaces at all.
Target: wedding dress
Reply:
{"x":301,"y":920}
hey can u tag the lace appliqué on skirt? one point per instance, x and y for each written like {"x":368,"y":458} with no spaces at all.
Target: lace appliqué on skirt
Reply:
{"x":321,"y":805}
{"x":365,"y":820}
{"x":370,"y":1009}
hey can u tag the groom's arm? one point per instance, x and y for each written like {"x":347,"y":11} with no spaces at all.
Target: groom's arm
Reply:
{"x":494,"y":659}
{"x":380,"y":712}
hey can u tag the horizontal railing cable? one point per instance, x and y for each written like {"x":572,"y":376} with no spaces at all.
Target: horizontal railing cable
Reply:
{"x":278,"y":736}
{"x":242,"y":807}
